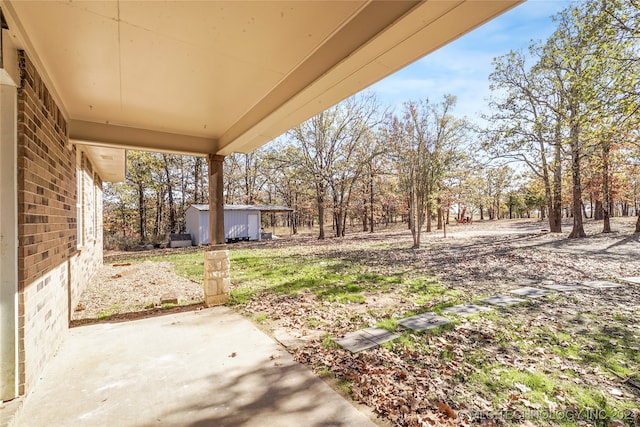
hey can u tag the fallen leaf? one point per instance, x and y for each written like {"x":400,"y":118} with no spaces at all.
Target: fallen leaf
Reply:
{"x":615,"y":392}
{"x":528,"y":404}
{"x":446,"y":409}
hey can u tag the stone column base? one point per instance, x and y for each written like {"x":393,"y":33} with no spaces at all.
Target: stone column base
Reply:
{"x":216,"y":277}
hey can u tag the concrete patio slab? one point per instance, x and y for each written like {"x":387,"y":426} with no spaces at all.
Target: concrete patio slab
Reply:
{"x":205,"y":368}
{"x":365,"y":339}
{"x":423,"y":321}
{"x":601,"y":284}
{"x":502,"y":300}
{"x":530,"y":292}
{"x":631,"y":280}
{"x":466,"y":309}
{"x":564,"y":287}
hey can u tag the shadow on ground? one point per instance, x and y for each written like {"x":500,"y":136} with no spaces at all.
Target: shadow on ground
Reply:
{"x":266,"y":395}
{"x":136,"y":315}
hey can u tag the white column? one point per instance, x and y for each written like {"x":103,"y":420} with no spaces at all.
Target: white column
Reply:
{"x":8,"y":239}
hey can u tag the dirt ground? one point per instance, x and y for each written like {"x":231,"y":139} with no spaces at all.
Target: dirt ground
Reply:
{"x":127,"y":290}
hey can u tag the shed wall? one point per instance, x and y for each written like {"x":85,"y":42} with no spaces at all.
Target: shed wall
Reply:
{"x":236,"y":225}
{"x":198,"y":225}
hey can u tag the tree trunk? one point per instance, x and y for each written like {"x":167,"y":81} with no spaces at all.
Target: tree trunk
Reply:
{"x":172,"y":206}
{"x":606,"y":208}
{"x":320,"y":201}
{"x":159,"y":211}
{"x":599,"y":213}
{"x":576,"y":154}
{"x":555,"y":211}
{"x":444,"y":226}
{"x":337,"y":218}
{"x":371,"y":201}
{"x":410,"y":213}
{"x":123,"y":212}
{"x":141,"y":213}
{"x":365,"y":218}
{"x":196,"y":179}
{"x":412,"y":226}
{"x":439,"y":214}
{"x":343,"y":218}
{"x":638,"y":224}
{"x":548,"y":194}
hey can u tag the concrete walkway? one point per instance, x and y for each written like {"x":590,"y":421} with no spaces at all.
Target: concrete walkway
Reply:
{"x":206,"y":368}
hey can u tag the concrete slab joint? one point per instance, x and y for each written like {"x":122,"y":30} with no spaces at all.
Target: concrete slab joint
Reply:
{"x":217,"y":277}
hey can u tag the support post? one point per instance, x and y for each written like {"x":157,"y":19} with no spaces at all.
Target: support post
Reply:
{"x":216,"y":200}
{"x":216,"y":259}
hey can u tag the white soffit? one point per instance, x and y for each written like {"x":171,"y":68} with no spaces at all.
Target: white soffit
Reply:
{"x":110,"y":163}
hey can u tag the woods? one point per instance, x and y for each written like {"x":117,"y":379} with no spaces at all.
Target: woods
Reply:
{"x":560,"y":139}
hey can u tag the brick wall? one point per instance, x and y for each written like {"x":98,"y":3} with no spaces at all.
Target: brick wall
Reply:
{"x":89,"y":258}
{"x":52,"y":272}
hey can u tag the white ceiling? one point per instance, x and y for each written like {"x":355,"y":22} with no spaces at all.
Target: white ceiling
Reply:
{"x":222,"y":76}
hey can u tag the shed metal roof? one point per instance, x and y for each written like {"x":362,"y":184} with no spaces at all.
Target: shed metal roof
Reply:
{"x":261,"y":208}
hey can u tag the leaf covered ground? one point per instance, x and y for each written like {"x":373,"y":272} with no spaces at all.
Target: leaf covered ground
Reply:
{"x":568,"y":358}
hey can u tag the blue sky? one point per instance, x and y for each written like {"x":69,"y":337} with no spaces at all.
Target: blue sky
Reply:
{"x":462,"y":67}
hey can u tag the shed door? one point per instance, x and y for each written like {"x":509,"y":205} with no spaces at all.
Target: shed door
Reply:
{"x":254,"y":226}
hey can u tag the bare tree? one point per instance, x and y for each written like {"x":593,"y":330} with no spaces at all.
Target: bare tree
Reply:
{"x":332,"y":148}
{"x":423,"y":143}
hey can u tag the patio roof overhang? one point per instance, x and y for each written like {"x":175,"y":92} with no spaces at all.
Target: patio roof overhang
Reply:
{"x":217,"y":77}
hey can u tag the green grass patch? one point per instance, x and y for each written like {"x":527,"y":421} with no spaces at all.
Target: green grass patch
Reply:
{"x":260,"y":318}
{"x":405,"y":340}
{"x":190,"y":265}
{"x":328,"y":342}
{"x":332,"y":279}
{"x":107,"y":313}
{"x":240,"y":296}
{"x":388,"y":324}
{"x":608,"y":346}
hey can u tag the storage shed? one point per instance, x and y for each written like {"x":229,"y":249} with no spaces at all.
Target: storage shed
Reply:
{"x":241,"y":222}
